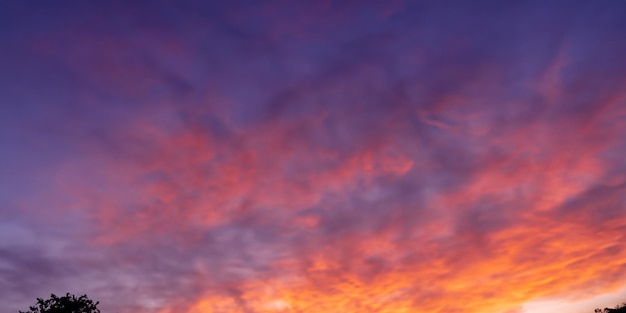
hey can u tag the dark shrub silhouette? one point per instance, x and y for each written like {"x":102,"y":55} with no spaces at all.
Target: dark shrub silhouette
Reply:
{"x":617,"y":309}
{"x":66,"y":304}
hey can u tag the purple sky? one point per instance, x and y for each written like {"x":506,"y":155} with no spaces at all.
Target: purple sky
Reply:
{"x":314,"y":156}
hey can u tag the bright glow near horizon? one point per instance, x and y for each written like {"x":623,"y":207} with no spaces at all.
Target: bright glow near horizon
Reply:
{"x":584,"y":305}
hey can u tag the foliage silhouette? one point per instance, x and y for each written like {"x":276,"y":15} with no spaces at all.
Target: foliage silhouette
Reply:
{"x":617,"y":309}
{"x":65,"y":304}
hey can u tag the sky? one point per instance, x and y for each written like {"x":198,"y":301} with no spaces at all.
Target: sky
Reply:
{"x":314,"y":156}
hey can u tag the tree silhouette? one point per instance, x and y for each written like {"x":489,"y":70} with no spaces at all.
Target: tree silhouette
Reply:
{"x":617,"y":309}
{"x":65,"y":304}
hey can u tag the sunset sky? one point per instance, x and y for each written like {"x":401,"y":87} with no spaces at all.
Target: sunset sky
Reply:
{"x":252,"y":156}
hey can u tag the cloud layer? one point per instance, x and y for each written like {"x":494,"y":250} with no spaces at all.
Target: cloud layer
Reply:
{"x":312,"y":157}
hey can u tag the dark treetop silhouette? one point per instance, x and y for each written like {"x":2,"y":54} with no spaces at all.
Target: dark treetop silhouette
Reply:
{"x":617,"y":309}
{"x":65,"y":304}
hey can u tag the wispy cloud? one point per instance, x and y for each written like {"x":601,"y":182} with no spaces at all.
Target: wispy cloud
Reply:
{"x":313,"y":157}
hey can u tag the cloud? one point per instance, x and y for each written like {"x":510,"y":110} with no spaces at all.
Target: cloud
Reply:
{"x":422,"y":157}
